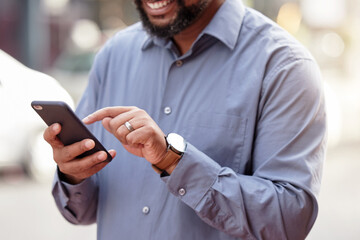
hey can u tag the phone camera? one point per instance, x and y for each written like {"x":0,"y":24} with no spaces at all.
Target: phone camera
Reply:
{"x":38,"y":107}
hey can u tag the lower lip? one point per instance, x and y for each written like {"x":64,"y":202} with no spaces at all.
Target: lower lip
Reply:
{"x":160,"y":11}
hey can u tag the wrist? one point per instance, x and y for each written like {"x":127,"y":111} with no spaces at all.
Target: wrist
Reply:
{"x":68,"y":178}
{"x":176,"y":146}
{"x":171,"y":168}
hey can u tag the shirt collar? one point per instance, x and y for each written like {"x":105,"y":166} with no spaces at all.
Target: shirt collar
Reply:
{"x":225,"y":26}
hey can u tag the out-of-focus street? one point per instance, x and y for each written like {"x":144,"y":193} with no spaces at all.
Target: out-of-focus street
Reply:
{"x":339,"y":215}
{"x":27,"y":210}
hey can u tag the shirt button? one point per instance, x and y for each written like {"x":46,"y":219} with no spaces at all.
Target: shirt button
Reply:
{"x":146,"y":210}
{"x":182,"y":192}
{"x":167,"y":110}
{"x":179,"y":63}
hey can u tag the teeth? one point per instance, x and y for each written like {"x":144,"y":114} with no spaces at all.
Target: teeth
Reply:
{"x":157,"y":5}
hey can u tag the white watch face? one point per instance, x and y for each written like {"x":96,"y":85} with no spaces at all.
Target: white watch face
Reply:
{"x":177,"y":142}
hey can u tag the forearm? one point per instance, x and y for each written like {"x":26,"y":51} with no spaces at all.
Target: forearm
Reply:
{"x":239,"y":205}
{"x":248,"y":205}
{"x":77,"y":203}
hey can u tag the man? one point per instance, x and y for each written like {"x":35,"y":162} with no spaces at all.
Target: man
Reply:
{"x":246,"y":102}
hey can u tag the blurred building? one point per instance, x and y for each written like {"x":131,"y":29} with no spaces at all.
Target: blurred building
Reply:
{"x":36,"y":32}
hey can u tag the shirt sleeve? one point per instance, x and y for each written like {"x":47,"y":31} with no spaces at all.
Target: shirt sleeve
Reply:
{"x":77,"y":203}
{"x":279,"y":197}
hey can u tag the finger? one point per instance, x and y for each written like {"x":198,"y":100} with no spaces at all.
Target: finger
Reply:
{"x":140,"y":136}
{"x":147,"y":134}
{"x":84,"y":168}
{"x":72,"y":151}
{"x":106,"y":123}
{"x":120,"y":119}
{"x":96,"y":168}
{"x":112,"y":153}
{"x":50,"y":135}
{"x":121,"y":132}
{"x":105,"y":112}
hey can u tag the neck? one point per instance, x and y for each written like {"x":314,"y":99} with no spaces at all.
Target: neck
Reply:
{"x":186,"y":38}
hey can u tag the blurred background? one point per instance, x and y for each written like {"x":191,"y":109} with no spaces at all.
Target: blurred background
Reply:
{"x":60,"y":37}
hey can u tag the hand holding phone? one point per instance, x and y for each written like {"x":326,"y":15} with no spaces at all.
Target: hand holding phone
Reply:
{"x":69,"y":147}
{"x":72,"y":128}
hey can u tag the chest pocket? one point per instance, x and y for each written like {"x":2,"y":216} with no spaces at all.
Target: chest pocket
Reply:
{"x":219,"y":136}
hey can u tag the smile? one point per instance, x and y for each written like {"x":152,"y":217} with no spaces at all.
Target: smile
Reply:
{"x":159,"y":4}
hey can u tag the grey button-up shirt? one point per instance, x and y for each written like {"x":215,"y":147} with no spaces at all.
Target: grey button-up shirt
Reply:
{"x":248,"y":99}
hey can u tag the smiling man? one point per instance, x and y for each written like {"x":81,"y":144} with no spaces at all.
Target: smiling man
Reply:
{"x":216,"y":117}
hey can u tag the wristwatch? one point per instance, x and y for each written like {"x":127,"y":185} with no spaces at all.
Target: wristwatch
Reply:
{"x":176,"y":146}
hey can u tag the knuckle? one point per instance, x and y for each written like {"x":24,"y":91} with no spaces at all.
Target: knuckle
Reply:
{"x":56,"y":157}
{"x":150,"y":129}
{"x":118,"y":134}
{"x":136,"y":110}
{"x":82,"y":147}
{"x":130,"y":140}
{"x":142,"y":119}
{"x":46,"y":135}
{"x":112,"y":123}
{"x":94,"y":160}
{"x":141,"y":111}
{"x":67,"y":154}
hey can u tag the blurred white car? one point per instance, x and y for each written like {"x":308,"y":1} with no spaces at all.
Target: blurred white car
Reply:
{"x":21,"y":129}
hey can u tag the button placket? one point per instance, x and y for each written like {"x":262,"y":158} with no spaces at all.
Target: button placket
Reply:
{"x":179,"y":63}
{"x":170,"y":90}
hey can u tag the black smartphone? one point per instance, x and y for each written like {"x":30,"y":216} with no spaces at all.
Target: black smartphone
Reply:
{"x":72,"y":128}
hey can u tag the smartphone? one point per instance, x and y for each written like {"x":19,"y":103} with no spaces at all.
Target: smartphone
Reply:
{"x":72,"y":128}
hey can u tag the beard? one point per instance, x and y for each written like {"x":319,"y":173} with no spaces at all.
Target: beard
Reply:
{"x":186,"y":15}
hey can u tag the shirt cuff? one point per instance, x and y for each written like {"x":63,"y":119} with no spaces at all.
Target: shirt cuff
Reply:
{"x":193,"y":176}
{"x":76,"y":193}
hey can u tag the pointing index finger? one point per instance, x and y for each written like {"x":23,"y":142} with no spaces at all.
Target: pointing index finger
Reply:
{"x":105,"y":112}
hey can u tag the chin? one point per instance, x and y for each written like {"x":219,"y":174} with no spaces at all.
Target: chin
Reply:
{"x":161,"y":21}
